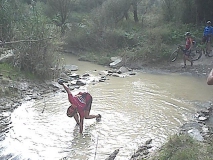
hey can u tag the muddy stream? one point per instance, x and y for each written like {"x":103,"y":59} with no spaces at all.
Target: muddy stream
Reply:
{"x":134,"y":109}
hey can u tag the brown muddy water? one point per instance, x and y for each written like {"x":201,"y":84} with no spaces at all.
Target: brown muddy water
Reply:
{"x":133,"y":108}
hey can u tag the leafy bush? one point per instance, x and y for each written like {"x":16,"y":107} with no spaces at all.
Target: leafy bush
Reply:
{"x":35,"y":54}
{"x":110,"y":13}
{"x":7,"y":10}
{"x":91,"y":39}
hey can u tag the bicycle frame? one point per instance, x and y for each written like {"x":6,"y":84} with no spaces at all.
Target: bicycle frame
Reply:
{"x":194,"y":53}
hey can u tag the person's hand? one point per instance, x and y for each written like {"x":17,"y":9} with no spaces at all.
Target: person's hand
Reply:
{"x":98,"y":118}
{"x":60,"y":81}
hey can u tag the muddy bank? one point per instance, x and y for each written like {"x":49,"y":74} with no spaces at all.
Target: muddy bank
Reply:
{"x":200,"y":68}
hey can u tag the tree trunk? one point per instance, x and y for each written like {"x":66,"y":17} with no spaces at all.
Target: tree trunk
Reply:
{"x":135,"y":11}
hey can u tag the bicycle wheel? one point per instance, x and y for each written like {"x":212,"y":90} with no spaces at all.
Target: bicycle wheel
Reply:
{"x":196,"y":54}
{"x":174,"y":56}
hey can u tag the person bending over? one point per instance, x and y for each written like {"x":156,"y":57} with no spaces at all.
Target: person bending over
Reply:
{"x":80,"y":106}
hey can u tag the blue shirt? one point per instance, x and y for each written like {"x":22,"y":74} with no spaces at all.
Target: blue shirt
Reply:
{"x":208,"y":30}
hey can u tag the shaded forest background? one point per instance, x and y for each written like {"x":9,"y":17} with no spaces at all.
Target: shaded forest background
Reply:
{"x":37,"y":31}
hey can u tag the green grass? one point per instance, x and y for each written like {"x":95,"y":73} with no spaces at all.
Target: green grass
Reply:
{"x":183,"y":147}
{"x":13,"y":73}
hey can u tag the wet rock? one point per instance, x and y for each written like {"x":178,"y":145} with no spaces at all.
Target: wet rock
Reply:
{"x":116,"y":62}
{"x":205,"y":129}
{"x":199,"y":129}
{"x":75,"y":76}
{"x":9,"y":156}
{"x":142,"y":151}
{"x":113,"y":155}
{"x":201,"y":118}
{"x":64,"y":76}
{"x":115,"y":75}
{"x":122,"y":70}
{"x":6,"y":129}
{"x":111,"y":71}
{"x":35,"y":96}
{"x":86,"y":75}
{"x":205,"y":111}
{"x":148,"y":141}
{"x":104,"y":73}
{"x":190,"y":125}
{"x":103,"y":79}
{"x":195,"y":134}
{"x":2,"y":137}
{"x":27,"y":98}
{"x":80,"y":82}
{"x":70,"y":68}
{"x":132,"y":73}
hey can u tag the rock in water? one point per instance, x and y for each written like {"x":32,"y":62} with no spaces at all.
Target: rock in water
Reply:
{"x":113,"y":155}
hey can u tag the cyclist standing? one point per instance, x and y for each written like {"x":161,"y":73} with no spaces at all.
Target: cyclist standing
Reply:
{"x":207,"y":33}
{"x":187,"y":50}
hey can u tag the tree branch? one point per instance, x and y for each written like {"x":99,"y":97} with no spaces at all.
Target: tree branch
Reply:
{"x":12,"y":42}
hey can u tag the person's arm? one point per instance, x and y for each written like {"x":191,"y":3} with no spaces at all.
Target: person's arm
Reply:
{"x":81,"y":124}
{"x":67,"y":89}
{"x":76,"y":117}
{"x":191,"y":44}
{"x":210,"y":78}
{"x":61,"y":82}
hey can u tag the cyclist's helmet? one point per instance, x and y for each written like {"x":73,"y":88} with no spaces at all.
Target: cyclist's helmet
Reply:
{"x":208,"y":22}
{"x":187,"y":34}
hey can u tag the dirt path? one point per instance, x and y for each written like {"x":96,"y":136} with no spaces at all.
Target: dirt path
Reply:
{"x":200,"y":68}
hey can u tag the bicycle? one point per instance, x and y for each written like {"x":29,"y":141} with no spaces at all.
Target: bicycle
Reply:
{"x":194,"y":54}
{"x":204,"y":49}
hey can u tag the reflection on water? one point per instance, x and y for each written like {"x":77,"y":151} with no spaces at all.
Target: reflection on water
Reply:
{"x":134,"y":109}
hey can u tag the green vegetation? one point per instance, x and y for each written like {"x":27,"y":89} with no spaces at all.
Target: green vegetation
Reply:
{"x":8,"y":75}
{"x":143,"y":30}
{"x":8,"y":71}
{"x":12,"y":73}
{"x":183,"y":147}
